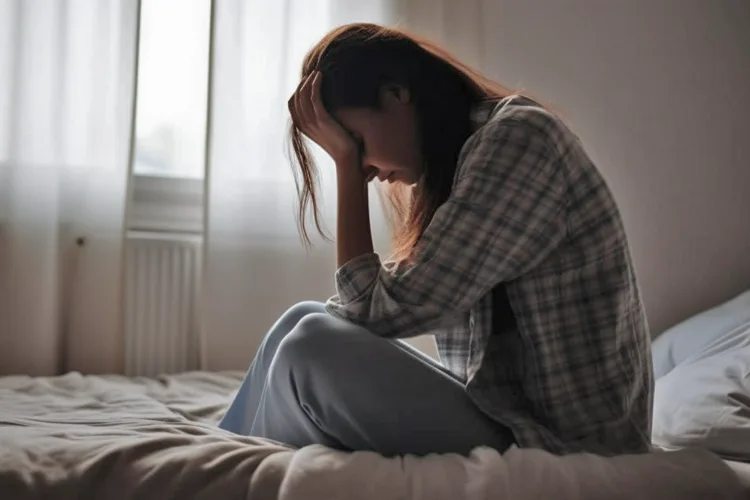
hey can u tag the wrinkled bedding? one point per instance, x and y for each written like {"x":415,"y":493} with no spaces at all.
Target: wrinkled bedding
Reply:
{"x":109,"y":437}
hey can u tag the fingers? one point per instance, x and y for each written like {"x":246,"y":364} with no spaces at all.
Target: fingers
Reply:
{"x":316,"y":99}
{"x":304,"y":106}
{"x":312,"y":119}
{"x":296,"y":103}
{"x":292,"y":103}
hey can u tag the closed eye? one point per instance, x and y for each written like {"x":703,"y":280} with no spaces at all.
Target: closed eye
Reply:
{"x":359,"y":141}
{"x":360,"y":144}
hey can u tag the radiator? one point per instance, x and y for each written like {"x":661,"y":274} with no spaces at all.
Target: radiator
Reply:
{"x":162,"y":274}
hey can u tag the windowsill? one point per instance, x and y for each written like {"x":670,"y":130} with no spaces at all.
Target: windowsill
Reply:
{"x":166,"y":204}
{"x":169,"y":204}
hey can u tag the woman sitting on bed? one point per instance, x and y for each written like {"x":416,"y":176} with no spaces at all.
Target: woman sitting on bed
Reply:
{"x":509,"y":249}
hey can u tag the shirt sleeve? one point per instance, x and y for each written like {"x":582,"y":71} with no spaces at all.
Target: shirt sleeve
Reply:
{"x":504,"y":216}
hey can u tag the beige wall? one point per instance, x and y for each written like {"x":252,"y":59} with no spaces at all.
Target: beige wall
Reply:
{"x":659,"y":91}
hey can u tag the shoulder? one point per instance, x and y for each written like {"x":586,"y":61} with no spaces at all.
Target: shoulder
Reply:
{"x":519,"y":118}
{"x":512,"y":137}
{"x":516,"y":151}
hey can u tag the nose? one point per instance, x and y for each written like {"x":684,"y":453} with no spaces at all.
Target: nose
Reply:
{"x":383,"y":175}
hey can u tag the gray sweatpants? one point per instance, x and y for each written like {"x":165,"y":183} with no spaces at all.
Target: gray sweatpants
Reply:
{"x":319,"y":379}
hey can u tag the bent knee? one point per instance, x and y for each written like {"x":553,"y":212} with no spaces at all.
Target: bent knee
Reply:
{"x":299,"y":310}
{"x":311,"y":331}
{"x":289,"y":320}
{"x":317,"y":337}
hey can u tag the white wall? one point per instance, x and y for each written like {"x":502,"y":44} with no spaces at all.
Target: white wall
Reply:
{"x":659,"y":92}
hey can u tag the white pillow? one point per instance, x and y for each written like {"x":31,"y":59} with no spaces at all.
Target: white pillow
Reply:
{"x":704,"y":399}
{"x":693,"y":335}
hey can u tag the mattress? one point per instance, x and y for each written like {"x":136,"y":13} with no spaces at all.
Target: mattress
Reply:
{"x":95,"y":437}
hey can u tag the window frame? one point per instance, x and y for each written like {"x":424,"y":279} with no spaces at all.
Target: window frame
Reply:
{"x":163,"y":203}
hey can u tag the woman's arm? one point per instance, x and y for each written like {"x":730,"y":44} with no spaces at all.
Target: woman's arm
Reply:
{"x":353,"y":228}
{"x":353,"y":235}
{"x":505,"y":215}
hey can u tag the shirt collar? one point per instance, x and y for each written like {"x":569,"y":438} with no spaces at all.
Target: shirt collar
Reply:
{"x":480,"y":113}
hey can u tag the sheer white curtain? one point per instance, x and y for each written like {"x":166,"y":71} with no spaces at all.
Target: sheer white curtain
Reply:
{"x":66,"y":101}
{"x":255,"y":264}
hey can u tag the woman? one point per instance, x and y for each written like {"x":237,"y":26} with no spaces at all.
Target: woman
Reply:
{"x":509,"y":248}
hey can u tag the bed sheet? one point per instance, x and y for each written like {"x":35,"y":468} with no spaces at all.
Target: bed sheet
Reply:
{"x":89,"y":437}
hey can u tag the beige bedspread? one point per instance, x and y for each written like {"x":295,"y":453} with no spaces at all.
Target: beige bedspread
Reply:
{"x":116,"y":438}
{"x":112,"y":437}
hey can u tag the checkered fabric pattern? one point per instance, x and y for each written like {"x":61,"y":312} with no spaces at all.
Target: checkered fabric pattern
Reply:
{"x":529,"y":219}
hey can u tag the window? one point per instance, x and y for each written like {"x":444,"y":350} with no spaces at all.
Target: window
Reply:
{"x":171,"y":114}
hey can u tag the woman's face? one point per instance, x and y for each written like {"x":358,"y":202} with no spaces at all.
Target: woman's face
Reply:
{"x":388,"y":137}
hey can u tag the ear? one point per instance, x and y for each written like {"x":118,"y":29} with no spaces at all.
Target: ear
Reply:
{"x":396,"y":93}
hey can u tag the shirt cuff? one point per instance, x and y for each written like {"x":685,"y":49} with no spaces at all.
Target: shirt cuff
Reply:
{"x":355,"y":277}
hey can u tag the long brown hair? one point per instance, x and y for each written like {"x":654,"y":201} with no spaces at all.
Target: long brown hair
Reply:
{"x":356,"y":61}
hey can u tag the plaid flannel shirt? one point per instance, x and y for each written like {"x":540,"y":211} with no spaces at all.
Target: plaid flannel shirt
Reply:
{"x":530,"y":216}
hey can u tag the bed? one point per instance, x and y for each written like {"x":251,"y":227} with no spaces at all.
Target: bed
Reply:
{"x":111,"y":437}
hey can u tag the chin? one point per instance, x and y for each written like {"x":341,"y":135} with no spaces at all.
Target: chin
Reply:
{"x":412,"y":180}
{"x":406,"y":177}
{"x":403,"y":181}
{"x":403,"y":177}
